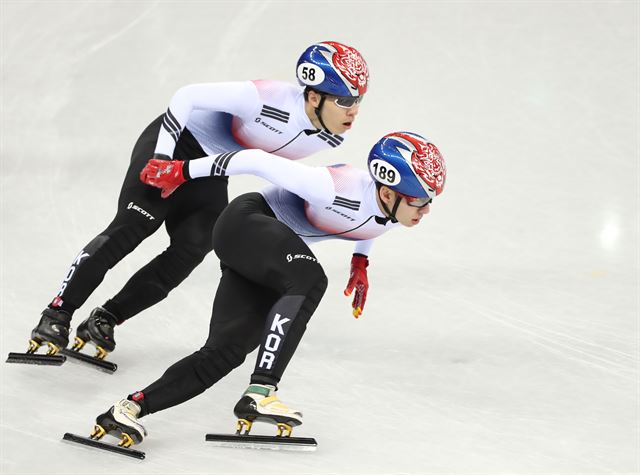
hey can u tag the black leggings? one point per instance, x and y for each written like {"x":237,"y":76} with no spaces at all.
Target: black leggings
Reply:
{"x":271,"y":284}
{"x":189,"y":215}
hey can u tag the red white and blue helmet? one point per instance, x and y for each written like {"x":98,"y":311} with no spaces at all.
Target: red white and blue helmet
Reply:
{"x":333,"y":68}
{"x":409,"y":164}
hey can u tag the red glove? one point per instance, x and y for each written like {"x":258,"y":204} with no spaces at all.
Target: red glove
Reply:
{"x":358,"y":280}
{"x":164,"y":174}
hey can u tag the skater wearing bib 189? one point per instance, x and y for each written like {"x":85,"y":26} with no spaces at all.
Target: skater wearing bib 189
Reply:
{"x":271,"y":281}
{"x":202,"y":120}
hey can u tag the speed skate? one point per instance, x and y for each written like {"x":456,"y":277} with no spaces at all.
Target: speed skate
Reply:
{"x":121,"y":421}
{"x":98,"y":331}
{"x":52,"y":330}
{"x":259,"y":403}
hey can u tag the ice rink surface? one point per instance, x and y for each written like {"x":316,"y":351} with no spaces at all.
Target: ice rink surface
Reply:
{"x":499,"y":337}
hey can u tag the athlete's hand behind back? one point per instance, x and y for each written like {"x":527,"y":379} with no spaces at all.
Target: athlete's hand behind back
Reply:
{"x":164,"y":174}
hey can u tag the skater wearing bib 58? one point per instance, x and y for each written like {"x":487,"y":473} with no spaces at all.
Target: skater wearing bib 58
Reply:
{"x":202,"y":120}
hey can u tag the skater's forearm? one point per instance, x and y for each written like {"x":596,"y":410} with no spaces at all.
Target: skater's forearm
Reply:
{"x":313,"y":184}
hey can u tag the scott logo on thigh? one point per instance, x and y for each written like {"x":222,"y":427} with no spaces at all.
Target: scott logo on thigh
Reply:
{"x":137,"y":208}
{"x":273,"y":342}
{"x":291,"y":257}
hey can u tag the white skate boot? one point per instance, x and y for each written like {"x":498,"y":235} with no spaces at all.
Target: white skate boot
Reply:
{"x":121,"y":420}
{"x":260,"y":403}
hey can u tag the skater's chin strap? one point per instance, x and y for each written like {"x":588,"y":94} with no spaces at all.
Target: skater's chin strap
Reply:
{"x":391,"y":214}
{"x":318,"y":111}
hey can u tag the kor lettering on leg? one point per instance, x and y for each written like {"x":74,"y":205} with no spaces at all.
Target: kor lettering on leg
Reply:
{"x":273,"y":341}
{"x":71,"y":271}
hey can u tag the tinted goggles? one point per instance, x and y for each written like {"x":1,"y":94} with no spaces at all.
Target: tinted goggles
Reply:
{"x":347,"y":102}
{"x":416,"y":202}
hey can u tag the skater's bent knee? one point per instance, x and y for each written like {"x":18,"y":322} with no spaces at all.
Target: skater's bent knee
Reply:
{"x":189,"y":253}
{"x":312,"y":282}
{"x":214,"y":364}
{"x":125,"y":235}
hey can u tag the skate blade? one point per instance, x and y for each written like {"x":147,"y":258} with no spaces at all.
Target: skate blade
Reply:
{"x":98,"y":363}
{"x":305,"y":444}
{"x":33,"y":358}
{"x":103,"y":446}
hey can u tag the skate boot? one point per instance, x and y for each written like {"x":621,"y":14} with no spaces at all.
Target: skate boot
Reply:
{"x":121,"y":421}
{"x":260,"y":403}
{"x":53,"y":329}
{"x":97,"y":330}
